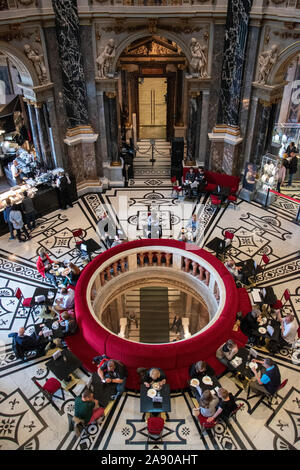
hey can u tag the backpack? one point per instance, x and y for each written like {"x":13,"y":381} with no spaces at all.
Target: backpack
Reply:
{"x":100,"y":360}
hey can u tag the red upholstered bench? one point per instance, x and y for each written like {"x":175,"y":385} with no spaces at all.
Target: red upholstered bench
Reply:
{"x":217,"y":179}
{"x":174,"y":358}
{"x":245,"y":305}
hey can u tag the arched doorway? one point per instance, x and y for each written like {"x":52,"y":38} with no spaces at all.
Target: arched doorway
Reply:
{"x":151,"y":88}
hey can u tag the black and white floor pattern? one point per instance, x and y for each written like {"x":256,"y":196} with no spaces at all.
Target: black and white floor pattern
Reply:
{"x":29,"y":421}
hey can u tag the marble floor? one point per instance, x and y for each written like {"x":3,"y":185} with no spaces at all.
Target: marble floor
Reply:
{"x":29,"y":421}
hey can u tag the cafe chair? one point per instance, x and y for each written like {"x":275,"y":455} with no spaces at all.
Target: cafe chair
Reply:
{"x":271,"y":398}
{"x":286,"y":295}
{"x":155,"y":427}
{"x":175,"y":188}
{"x":204,"y":424}
{"x":279,"y":304}
{"x":78,"y":237}
{"x":25,"y":302}
{"x":215,"y":200}
{"x":50,"y":387}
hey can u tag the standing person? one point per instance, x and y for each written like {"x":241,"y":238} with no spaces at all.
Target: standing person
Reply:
{"x":16,"y":218}
{"x":15,"y":172}
{"x":62,"y":183}
{"x":29,"y":211}
{"x":291,"y":148}
{"x":281,"y":176}
{"x":292,"y":167}
{"x":6,"y":213}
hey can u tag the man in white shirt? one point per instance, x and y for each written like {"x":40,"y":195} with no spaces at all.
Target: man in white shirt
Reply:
{"x":289,"y":328}
{"x":233,"y":269}
{"x":66,"y":301}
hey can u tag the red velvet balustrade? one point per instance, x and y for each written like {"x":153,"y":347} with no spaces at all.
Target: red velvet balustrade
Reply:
{"x":174,"y":358}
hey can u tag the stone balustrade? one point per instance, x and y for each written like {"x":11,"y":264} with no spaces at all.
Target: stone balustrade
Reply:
{"x":140,"y":259}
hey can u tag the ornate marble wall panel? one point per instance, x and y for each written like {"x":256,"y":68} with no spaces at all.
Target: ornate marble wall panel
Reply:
{"x":125,"y":31}
{"x":25,"y":46}
{"x":285,"y":36}
{"x":68,"y":38}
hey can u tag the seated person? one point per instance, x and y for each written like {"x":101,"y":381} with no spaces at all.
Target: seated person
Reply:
{"x":226,"y":405}
{"x":194,"y":225}
{"x":198,"y":371}
{"x":226,"y":353}
{"x":68,"y":324}
{"x":73,"y":276}
{"x":113,"y":372}
{"x":23,"y":343}
{"x":208,"y":403}
{"x":288,"y":329}
{"x":87,"y":409}
{"x":190,"y":179}
{"x":250,"y":323}
{"x":201,"y":180}
{"x":65,"y":302}
{"x":43,"y":265}
{"x":233,"y":269}
{"x":270,"y":379}
{"x":154,"y":375}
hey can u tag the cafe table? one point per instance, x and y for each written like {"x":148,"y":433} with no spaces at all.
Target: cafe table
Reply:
{"x":148,"y":405}
{"x":64,"y":365}
{"x":49,"y":299}
{"x":243,"y":370}
{"x":206,"y":383}
{"x":216,"y":244}
{"x":53,"y":325}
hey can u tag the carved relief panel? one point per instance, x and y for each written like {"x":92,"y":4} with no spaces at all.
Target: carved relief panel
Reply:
{"x":279,"y":43}
{"x":30,"y":52}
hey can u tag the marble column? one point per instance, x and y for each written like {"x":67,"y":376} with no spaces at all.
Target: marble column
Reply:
{"x":43,"y":137}
{"x":34,"y":131}
{"x":226,"y":130}
{"x":68,"y":38}
{"x":54,"y":133}
{"x":202,"y":156}
{"x":193,"y":131}
{"x":262,"y":122}
{"x":102,"y":136}
{"x":110,"y":102}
